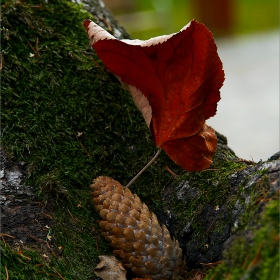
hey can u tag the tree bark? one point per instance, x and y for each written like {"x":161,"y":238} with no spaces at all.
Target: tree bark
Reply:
{"x":66,"y":120}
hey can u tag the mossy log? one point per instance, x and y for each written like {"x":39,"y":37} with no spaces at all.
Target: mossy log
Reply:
{"x":66,"y":121}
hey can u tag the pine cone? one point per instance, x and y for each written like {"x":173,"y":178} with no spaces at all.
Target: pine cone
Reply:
{"x":134,"y":232}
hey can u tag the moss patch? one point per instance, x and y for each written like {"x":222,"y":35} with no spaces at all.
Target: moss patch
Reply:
{"x":24,"y":264}
{"x":256,"y":254}
{"x":70,"y":121}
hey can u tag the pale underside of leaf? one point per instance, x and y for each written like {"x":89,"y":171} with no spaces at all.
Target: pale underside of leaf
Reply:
{"x":140,"y":101}
{"x":96,"y":33}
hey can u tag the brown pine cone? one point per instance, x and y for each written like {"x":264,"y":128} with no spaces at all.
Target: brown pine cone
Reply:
{"x":134,"y":232}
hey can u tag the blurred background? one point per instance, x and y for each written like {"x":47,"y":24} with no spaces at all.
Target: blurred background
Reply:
{"x":247,"y":35}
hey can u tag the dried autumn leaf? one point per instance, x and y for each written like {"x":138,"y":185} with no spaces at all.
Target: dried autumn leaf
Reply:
{"x":174,"y":81}
{"x":110,"y":268}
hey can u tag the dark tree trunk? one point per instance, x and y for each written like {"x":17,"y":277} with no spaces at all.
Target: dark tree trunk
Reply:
{"x":66,"y":120}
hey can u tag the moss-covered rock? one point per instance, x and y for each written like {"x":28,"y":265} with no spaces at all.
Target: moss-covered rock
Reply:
{"x":254,"y":253}
{"x":66,"y":120}
{"x":222,"y":210}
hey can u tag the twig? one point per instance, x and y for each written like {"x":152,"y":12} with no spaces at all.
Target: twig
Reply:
{"x":245,"y":262}
{"x":7,"y":273}
{"x":210,"y":161}
{"x":37,"y":239}
{"x":1,"y":61}
{"x":49,"y":216}
{"x":49,"y":245}
{"x":4,"y":240}
{"x":37,"y":47}
{"x":170,"y":171}
{"x":53,"y":252}
{"x":108,"y":24}
{"x":145,"y":167}
{"x":58,"y":273}
{"x":88,"y":154}
{"x":72,"y":216}
{"x":31,"y":46}
{"x":36,"y":6}
{"x":210,"y":226}
{"x":5,"y":234}
{"x":21,"y":254}
{"x":257,"y":257}
{"x":35,"y":51}
{"x":210,"y":169}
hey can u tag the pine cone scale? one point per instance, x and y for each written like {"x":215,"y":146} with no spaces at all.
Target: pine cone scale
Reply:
{"x":135,"y":233}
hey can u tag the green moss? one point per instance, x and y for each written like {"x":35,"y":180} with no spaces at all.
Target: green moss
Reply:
{"x":52,"y":93}
{"x":214,"y":189}
{"x":24,"y":264}
{"x":70,"y":121}
{"x":256,"y":194}
{"x":255,"y":255}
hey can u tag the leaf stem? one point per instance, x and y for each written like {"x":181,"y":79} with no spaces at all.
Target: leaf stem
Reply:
{"x":145,"y":167}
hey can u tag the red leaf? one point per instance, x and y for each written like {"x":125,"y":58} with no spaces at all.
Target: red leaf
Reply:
{"x":180,"y":75}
